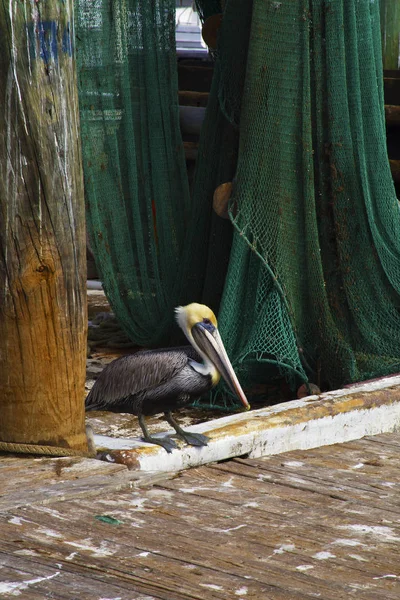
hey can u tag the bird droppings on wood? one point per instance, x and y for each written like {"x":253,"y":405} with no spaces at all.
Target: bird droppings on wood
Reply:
{"x":253,"y":537}
{"x":386,"y":533}
{"x":304,"y":567}
{"x":15,"y":588}
{"x":324,"y":555}
{"x":346,"y":542}
{"x":242,"y":591}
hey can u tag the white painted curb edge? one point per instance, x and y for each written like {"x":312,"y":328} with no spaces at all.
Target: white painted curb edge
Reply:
{"x":333,"y":417}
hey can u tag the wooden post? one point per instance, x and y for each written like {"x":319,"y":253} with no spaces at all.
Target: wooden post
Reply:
{"x":42,"y":229}
{"x":390,"y":28}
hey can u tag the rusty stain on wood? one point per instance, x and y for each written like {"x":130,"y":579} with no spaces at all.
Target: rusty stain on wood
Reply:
{"x":319,"y":523}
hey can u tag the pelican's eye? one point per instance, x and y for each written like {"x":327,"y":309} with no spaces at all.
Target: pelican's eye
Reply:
{"x":207,"y":324}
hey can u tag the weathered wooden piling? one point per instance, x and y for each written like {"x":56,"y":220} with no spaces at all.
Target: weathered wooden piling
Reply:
{"x":390,"y":29}
{"x":42,"y":230}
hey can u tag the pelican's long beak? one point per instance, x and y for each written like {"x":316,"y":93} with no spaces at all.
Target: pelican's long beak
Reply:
{"x":209,"y":341}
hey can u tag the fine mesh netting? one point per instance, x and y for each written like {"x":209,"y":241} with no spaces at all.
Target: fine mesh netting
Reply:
{"x":314,"y":196}
{"x":136,"y":186}
{"x":310,"y":281}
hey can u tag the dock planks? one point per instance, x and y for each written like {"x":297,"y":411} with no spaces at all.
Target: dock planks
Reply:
{"x":321,"y":523}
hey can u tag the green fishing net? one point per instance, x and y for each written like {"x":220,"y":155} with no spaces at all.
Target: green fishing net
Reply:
{"x":307,"y":288}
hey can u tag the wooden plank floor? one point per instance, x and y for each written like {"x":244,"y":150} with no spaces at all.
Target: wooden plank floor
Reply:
{"x":321,"y":523}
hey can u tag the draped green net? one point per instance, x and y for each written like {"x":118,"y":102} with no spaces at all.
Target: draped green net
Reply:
{"x":305,"y":276}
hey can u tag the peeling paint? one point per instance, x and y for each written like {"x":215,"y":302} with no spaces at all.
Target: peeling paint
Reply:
{"x":160,"y":493}
{"x":193,"y":490}
{"x":228,"y":483}
{"x":375,"y":530}
{"x":211,"y":586}
{"x":242,"y":591}
{"x":293,"y":463}
{"x":346,"y":542}
{"x":284,"y":548}
{"x":358,"y":557}
{"x":51,"y":512}
{"x":26,"y":552}
{"x":137,"y":504}
{"x":49,"y":533}
{"x":16,"y":520}
{"x":324,"y":555}
{"x":217,"y":530}
{"x":71,"y":556}
{"x":304,"y":567}
{"x":263,"y":477}
{"x":97,"y":551}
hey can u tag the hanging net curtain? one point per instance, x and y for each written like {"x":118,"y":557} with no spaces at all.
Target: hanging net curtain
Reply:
{"x":136,"y":185}
{"x":155,"y":246}
{"x":295,"y":120}
{"x":314,"y":198}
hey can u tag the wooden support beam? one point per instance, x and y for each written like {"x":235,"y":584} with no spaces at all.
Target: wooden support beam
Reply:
{"x":351,"y":413}
{"x":395,"y":168}
{"x":392,"y":114}
{"x":189,"y":98}
{"x":391,"y":87}
{"x":191,"y":150}
{"x":42,"y":230}
{"x":390,"y":29}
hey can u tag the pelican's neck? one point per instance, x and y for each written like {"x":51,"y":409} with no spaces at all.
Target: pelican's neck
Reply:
{"x":206,"y":368}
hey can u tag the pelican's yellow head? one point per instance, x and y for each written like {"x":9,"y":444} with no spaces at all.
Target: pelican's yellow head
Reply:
{"x":199,"y":324}
{"x":192,"y":314}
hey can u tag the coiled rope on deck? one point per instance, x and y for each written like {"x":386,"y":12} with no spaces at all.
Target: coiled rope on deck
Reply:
{"x":44,"y":450}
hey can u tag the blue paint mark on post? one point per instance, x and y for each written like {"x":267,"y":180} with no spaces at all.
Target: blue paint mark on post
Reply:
{"x":67,"y":40}
{"x":48,"y":41}
{"x":43,"y":41}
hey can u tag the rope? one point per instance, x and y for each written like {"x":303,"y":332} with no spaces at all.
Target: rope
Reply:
{"x":44,"y":450}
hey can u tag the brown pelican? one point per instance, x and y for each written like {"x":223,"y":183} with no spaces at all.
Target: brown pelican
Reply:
{"x":160,"y":381}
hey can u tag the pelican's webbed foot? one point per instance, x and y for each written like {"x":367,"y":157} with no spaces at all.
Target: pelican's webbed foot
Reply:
{"x":165,"y":443}
{"x":193,"y":439}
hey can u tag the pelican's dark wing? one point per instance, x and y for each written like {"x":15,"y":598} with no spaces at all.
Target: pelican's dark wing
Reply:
{"x":135,"y":374}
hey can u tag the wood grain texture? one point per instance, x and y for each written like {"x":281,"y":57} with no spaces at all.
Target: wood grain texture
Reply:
{"x":392,"y":114}
{"x":42,"y":229}
{"x":321,"y":523}
{"x":390,"y":33}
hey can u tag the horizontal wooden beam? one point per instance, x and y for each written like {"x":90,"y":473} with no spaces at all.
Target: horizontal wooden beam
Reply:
{"x":334,"y":417}
{"x":190,"y":98}
{"x":392,"y":114}
{"x":191,"y":150}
